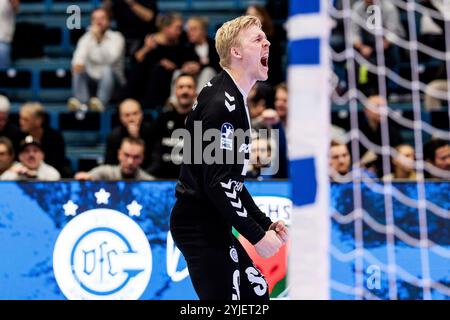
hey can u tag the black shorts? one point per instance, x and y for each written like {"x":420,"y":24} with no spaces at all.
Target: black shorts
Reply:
{"x":219,"y":266}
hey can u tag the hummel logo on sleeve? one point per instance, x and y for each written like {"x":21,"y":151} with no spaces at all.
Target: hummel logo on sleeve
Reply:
{"x":234,"y":199}
{"x":229,"y":102}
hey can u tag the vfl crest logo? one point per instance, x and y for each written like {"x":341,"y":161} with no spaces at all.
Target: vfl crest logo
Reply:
{"x":226,"y":137}
{"x":102,"y":254}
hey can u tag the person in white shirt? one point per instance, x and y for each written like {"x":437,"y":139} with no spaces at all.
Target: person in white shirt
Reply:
{"x":31,"y":165}
{"x":98,"y":60}
{"x":8,"y":10}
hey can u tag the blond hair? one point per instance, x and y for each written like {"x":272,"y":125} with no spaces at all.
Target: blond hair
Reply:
{"x":34,"y":108}
{"x":228,"y":36}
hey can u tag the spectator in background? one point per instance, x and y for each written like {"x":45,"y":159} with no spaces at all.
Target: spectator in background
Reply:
{"x":130,"y":157}
{"x":31,"y":165}
{"x":260,"y":156}
{"x":341,"y":163}
{"x":370,"y":126}
{"x":33,"y":122}
{"x":403,"y":163}
{"x":7,"y":129}
{"x":276,"y":50}
{"x":8,"y":10}
{"x":172,"y":117}
{"x":281,"y":102}
{"x":437,"y":153}
{"x":98,"y":61}
{"x":259,"y":99}
{"x":162,"y":53}
{"x":134,"y":18}
{"x":207,"y":65}
{"x":365,"y":41}
{"x":131,"y":125}
{"x":6,"y":154}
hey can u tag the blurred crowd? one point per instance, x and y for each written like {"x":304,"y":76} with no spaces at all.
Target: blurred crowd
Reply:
{"x":134,"y":58}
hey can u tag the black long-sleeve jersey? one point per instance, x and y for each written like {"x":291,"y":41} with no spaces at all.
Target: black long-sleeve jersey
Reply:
{"x":218,"y":187}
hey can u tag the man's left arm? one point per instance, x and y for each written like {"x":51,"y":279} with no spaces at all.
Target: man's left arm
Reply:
{"x":264,"y":221}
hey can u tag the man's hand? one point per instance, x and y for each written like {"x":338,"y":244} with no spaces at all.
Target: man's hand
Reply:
{"x":282,"y":231}
{"x":167,"y":64}
{"x":270,"y":117}
{"x":268,"y":245}
{"x":83,"y":176}
{"x":366,"y":51}
{"x":78,"y":68}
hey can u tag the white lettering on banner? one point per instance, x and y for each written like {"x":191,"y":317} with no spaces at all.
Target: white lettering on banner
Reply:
{"x":276,"y":208}
{"x":172,"y":259}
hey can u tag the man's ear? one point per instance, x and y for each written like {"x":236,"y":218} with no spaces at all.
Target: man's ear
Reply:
{"x":235,"y":52}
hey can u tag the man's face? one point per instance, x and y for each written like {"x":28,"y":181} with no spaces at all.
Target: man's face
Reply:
{"x":442,"y":158}
{"x":195,"y":31}
{"x":3,"y":119}
{"x":405,"y":160}
{"x":281,"y":103}
{"x":260,"y":156}
{"x":28,"y":121}
{"x":185,"y":92}
{"x":373,"y":113}
{"x":340,"y":159}
{"x":254,"y":49}
{"x":6,"y":158}
{"x":173,"y":31}
{"x":130,"y":113}
{"x":130,"y":157}
{"x":31,"y":157}
{"x":101,"y":20}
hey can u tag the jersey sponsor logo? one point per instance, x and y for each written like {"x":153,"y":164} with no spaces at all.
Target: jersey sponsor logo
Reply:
{"x":255,"y":277}
{"x":234,"y":254}
{"x":229,"y":102}
{"x":226,"y":137}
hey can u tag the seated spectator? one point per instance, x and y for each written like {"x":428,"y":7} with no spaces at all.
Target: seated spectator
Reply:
{"x":403,"y":164}
{"x":341,"y":164}
{"x":437,"y":153}
{"x":370,"y":126}
{"x":130,"y":156}
{"x":172,"y":117}
{"x":281,"y":102}
{"x":98,"y":61}
{"x":32,"y":119}
{"x":365,"y":41}
{"x":7,"y":129}
{"x":31,"y":165}
{"x":162,"y":53}
{"x":131,"y":125}
{"x":134,"y":19}
{"x":207,"y":65}
{"x":6,"y":154}
{"x":260,"y":157}
{"x":259,"y":99}
{"x":276,"y":50}
{"x":434,"y":89}
{"x":8,"y":10}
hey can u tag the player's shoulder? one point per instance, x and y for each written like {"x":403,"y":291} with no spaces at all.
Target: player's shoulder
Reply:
{"x":219,"y":96}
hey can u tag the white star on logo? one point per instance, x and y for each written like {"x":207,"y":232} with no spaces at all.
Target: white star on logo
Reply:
{"x":102,"y":196}
{"x":70,"y":208}
{"x":134,"y":209}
